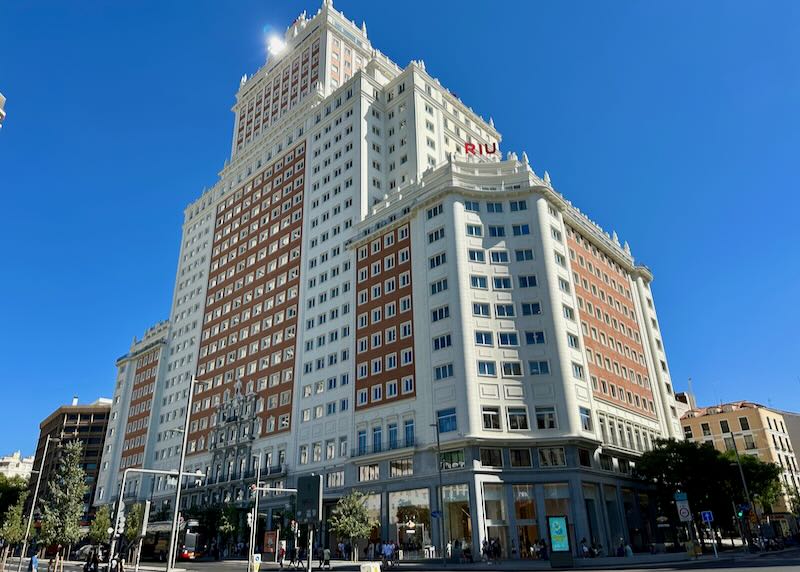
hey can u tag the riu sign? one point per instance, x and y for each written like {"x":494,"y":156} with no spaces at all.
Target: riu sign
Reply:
{"x":480,"y":148}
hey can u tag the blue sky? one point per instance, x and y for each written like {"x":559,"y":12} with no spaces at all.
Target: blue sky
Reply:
{"x":675,"y":124}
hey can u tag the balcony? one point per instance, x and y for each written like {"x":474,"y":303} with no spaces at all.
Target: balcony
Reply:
{"x":388,"y":446}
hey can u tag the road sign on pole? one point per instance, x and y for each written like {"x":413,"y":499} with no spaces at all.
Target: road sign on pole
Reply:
{"x":682,"y":505}
{"x":707,"y":516}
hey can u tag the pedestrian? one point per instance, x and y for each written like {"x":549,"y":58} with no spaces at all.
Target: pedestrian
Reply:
{"x":33,"y":565}
{"x":326,"y":557}
{"x":281,"y":555}
{"x":628,"y":550}
{"x":584,"y":549}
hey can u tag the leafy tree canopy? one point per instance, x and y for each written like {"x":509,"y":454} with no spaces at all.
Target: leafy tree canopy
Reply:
{"x":350,"y":518}
{"x":62,"y":505}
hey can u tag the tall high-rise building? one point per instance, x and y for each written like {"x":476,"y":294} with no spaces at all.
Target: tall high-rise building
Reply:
{"x":86,"y":423}
{"x":369,"y":277}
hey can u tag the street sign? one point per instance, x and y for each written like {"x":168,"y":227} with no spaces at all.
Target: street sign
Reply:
{"x":707,"y":516}
{"x":682,"y":505}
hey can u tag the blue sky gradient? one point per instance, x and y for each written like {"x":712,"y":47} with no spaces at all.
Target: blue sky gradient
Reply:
{"x":675,"y":124}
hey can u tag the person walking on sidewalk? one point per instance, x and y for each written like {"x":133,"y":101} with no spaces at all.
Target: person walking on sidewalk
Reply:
{"x":326,"y":558}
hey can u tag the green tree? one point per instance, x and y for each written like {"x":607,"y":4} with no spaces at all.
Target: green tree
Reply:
{"x":13,"y":529}
{"x":351,"y":519}
{"x":62,"y":505}
{"x":98,"y":530}
{"x":228,"y":523}
{"x":763,"y":479}
{"x":10,"y":491}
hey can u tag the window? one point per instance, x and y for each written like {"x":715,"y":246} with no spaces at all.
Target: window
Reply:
{"x":546,"y":418}
{"x":487,"y":369}
{"x":439,"y":286}
{"x":479,"y":282}
{"x":446,"y":419}
{"x":569,"y":313}
{"x":497,"y":231}
{"x":476,"y":256}
{"x":484,"y":339}
{"x":369,"y":473}
{"x":501,"y":282}
{"x":442,"y":342}
{"x":437,"y":260}
{"x":552,"y":457}
{"x":577,"y":371}
{"x":584,"y":457}
{"x":539,"y":367}
{"x":520,"y":457}
{"x":494,"y":207}
{"x":401,"y":467}
{"x":724,"y":426}
{"x":443,"y":371}
{"x":440,"y":313}
{"x":474,"y":230}
{"x":687,"y":432}
{"x":452,"y":459}
{"x":512,"y":369}
{"x":519,"y":206}
{"x":531,"y":308}
{"x":472,"y":206}
{"x":507,"y":339}
{"x":499,"y":256}
{"x":706,"y":429}
{"x":523,"y":255}
{"x":518,"y":419}
{"x":573,"y":342}
{"x":749,"y":442}
{"x":534,"y":337}
{"x":491,"y":418}
{"x":586,"y":419}
{"x":437,"y":234}
{"x":408,"y":432}
{"x":492,"y":457}
{"x":744,"y":423}
{"x":435,"y":211}
{"x":480,"y":309}
{"x":528,"y":281}
{"x":520,"y":229}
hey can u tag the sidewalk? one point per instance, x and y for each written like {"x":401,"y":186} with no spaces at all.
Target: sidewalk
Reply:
{"x":615,"y":563}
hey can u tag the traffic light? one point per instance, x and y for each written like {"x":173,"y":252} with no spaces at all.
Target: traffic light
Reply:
{"x":119,"y":526}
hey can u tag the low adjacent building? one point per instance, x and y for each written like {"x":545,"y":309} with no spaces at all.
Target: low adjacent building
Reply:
{"x":74,"y":422}
{"x":15,"y":465}
{"x":752,"y":429}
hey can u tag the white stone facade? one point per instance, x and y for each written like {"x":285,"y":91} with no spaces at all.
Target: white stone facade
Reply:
{"x":493,"y":306}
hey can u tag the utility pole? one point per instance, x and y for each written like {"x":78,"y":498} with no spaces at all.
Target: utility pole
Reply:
{"x":35,"y":498}
{"x":744,"y":482}
{"x":254,"y":525}
{"x":174,"y":538}
{"x":440,"y":496}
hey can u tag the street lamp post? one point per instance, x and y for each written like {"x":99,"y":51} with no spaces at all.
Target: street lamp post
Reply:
{"x":254,"y":523}
{"x":120,"y":501}
{"x":440,"y":496}
{"x":744,"y":481}
{"x":174,"y":538}
{"x":35,"y":496}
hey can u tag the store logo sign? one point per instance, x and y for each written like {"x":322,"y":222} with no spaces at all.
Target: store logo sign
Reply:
{"x":480,"y":148}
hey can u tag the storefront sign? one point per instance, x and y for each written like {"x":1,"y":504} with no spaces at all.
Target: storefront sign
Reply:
{"x":559,"y":533}
{"x":480,"y":148}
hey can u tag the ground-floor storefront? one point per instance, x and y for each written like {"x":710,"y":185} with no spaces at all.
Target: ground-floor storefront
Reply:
{"x":508,"y":506}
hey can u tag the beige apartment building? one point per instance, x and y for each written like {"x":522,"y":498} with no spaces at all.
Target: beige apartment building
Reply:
{"x":754,"y":430}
